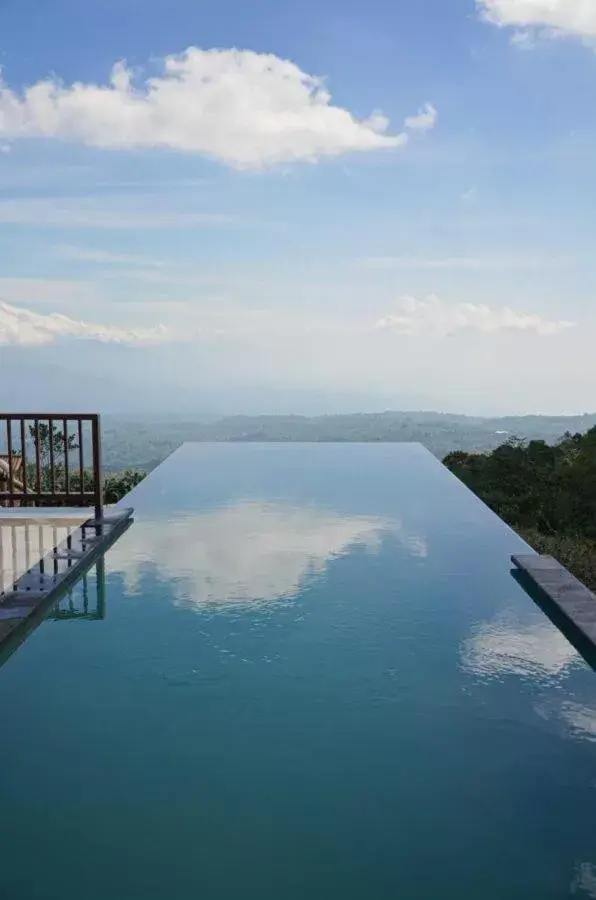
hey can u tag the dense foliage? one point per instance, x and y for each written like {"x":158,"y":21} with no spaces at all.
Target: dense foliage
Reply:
{"x":546,"y":492}
{"x":117,"y":484}
{"x":51,"y":444}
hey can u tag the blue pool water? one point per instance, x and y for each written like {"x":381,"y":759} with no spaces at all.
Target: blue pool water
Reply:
{"x":316,"y":678}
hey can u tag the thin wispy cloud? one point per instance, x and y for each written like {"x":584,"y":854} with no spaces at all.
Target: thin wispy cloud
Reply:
{"x":23,"y":327}
{"x":115,"y":214}
{"x":436,"y":317}
{"x":463,"y":263}
{"x":245,"y":109}
{"x":424,"y":121}
{"x":57,"y":291}
{"x":577,"y":17}
{"x":87,"y":254}
{"x":471,"y":197}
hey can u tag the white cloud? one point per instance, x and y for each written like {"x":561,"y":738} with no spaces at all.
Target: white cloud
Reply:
{"x":23,"y":327}
{"x":5,"y":149}
{"x":248,"y":110}
{"x":424,"y":121}
{"x":576,"y":17}
{"x":251,"y":553}
{"x":433,"y":316}
{"x":84,"y":254}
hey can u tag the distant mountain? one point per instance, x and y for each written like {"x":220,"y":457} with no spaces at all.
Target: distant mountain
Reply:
{"x":82,"y":377}
{"x":145,"y":441}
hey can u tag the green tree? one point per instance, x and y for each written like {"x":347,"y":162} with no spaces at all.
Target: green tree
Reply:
{"x":117,"y":484}
{"x":48,"y":441}
{"x":546,"y":492}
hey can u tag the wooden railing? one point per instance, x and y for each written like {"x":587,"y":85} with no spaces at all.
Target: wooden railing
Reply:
{"x":50,"y":459}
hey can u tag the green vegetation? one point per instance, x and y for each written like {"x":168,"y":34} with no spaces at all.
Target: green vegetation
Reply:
{"x":51,"y":443}
{"x":117,"y":484}
{"x":545,"y":492}
{"x":50,"y":447}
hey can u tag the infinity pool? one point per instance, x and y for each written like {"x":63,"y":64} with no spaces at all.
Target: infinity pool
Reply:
{"x":316,"y":678}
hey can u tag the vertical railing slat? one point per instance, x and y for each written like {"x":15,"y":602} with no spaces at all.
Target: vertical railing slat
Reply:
{"x":81,"y":460}
{"x":66,"y":461}
{"x":37,"y":458}
{"x":10,"y":463}
{"x":97,"y":475}
{"x":51,"y":457}
{"x":24,"y":454}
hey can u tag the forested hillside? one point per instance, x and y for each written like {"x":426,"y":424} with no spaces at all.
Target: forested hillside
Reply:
{"x":546,"y":492}
{"x":144,"y":442}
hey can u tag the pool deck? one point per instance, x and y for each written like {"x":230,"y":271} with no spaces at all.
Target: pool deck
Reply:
{"x":564,"y":590}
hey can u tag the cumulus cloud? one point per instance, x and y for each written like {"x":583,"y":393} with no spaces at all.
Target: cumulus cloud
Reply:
{"x":248,"y":110}
{"x":433,"y":316}
{"x":24,"y":327}
{"x":576,"y":17}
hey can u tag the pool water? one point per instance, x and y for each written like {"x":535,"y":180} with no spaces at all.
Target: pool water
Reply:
{"x":316,"y":678}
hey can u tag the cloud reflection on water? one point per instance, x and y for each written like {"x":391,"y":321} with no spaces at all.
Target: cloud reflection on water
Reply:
{"x":537,"y":652}
{"x":250,"y":552}
{"x":505,"y":646}
{"x":585,"y":880}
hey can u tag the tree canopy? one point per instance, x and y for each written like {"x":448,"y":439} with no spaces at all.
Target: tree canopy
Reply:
{"x":546,"y":492}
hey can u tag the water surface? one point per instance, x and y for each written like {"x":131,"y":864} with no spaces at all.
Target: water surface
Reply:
{"x":316,"y":677}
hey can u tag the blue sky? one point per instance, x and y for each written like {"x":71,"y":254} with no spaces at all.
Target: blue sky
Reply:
{"x":415,"y":229}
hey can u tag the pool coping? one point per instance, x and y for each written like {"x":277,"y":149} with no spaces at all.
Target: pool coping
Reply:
{"x":566,"y":592}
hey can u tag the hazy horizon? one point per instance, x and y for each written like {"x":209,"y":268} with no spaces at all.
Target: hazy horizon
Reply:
{"x":38,"y":386}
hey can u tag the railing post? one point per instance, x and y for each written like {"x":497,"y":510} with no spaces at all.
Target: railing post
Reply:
{"x":10,"y":462}
{"x":97,"y":473}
